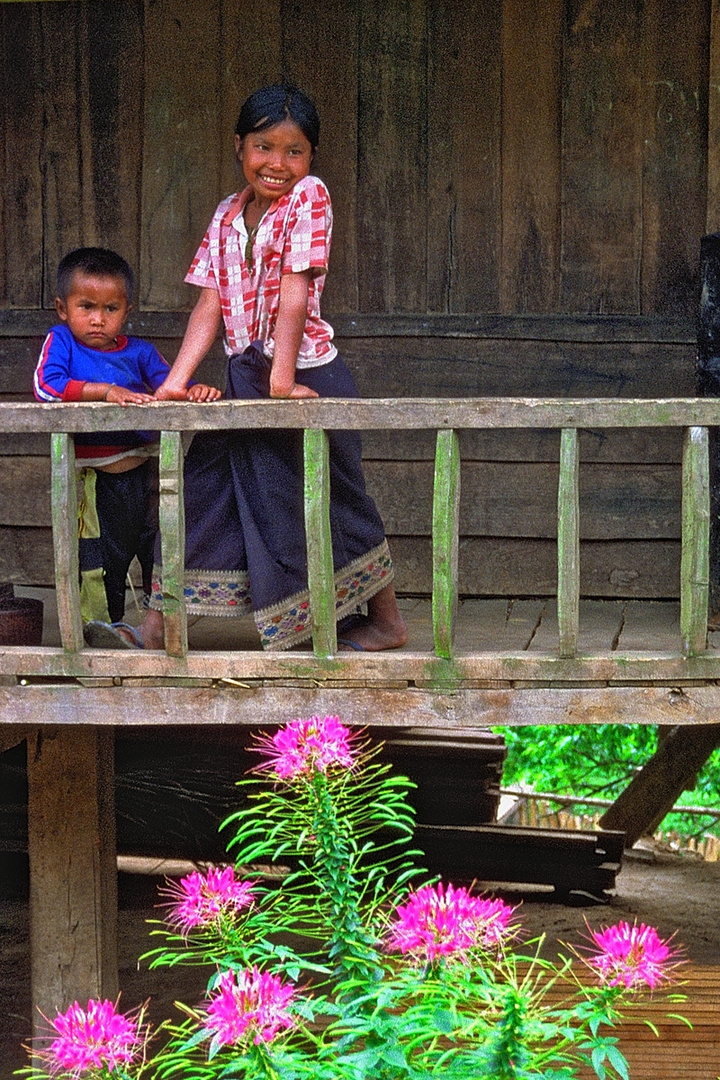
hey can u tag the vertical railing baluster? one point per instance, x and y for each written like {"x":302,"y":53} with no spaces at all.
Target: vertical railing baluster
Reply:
{"x":694,"y":563}
{"x":65,"y":540}
{"x":321,"y":580}
{"x":445,"y":533}
{"x":568,"y":543}
{"x":172,"y":542}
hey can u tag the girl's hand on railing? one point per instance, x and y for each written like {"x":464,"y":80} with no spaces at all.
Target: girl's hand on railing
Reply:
{"x":297,"y":390}
{"x":169,"y":391}
{"x":203,"y":392}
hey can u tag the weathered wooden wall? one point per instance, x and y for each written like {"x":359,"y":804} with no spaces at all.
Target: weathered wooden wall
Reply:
{"x":520,"y":188}
{"x":484,"y":155}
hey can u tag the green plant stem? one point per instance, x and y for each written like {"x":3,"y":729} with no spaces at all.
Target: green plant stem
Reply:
{"x":350,"y":945}
{"x":263,"y":1067}
{"x":510,"y":1054}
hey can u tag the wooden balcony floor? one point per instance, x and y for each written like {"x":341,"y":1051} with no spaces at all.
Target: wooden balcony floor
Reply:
{"x":493,"y":625}
{"x":506,"y":669}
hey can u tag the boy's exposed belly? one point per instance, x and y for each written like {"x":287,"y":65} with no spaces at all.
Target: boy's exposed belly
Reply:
{"x":123,"y":465}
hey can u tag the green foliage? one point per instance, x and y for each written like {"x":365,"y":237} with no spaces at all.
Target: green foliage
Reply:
{"x":347,"y":839}
{"x":600,"y":761}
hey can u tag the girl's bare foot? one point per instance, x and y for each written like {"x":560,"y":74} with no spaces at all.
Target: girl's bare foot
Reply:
{"x":383,"y":628}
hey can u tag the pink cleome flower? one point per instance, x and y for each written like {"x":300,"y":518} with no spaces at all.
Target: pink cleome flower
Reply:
{"x":249,"y":1002}
{"x":439,"y":922}
{"x":631,"y":956}
{"x":202,"y":900}
{"x":96,"y":1038}
{"x":304,"y":747}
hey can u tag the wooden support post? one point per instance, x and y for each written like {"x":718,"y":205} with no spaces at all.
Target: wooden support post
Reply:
{"x":73,"y":874}
{"x":695,"y":565}
{"x":172,"y":532}
{"x":65,"y":540}
{"x":569,"y":543}
{"x":653,"y":792}
{"x":445,"y":531}
{"x":321,"y":574}
{"x":708,"y":334}
{"x":712,"y":221}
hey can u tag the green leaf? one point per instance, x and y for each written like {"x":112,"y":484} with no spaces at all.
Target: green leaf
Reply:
{"x":681,"y":1018}
{"x":194,"y":1040}
{"x":618,"y":1062}
{"x":443,"y":1020}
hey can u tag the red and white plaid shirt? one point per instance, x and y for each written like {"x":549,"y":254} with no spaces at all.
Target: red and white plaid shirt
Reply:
{"x":293,"y":236}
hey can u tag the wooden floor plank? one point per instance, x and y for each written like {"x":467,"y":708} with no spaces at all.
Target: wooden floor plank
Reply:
{"x":482,"y":624}
{"x":600,"y":624}
{"x":523,"y":619}
{"x":652,"y":621}
{"x":679,"y":1051}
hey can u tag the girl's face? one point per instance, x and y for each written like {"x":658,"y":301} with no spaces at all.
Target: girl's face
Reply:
{"x":274,"y":160}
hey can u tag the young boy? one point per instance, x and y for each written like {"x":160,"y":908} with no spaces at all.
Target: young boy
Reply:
{"x":87,"y":358}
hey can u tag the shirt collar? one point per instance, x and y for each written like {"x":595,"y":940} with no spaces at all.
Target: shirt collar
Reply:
{"x":237,"y":205}
{"x":240,"y":201}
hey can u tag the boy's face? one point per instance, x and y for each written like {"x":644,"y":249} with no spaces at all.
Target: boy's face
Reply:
{"x":95,"y":309}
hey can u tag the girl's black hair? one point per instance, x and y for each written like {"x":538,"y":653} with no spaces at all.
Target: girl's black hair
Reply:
{"x":271,"y":105}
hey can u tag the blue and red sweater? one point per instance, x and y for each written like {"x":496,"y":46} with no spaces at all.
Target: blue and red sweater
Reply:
{"x":65,"y":365}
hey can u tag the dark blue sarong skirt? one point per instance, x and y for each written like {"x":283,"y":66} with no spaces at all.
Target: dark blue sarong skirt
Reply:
{"x":244,"y":516}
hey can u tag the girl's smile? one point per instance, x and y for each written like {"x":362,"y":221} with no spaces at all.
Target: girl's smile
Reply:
{"x":274,"y":160}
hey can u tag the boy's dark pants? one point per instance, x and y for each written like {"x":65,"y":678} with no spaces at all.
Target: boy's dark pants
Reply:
{"x":127,"y":510}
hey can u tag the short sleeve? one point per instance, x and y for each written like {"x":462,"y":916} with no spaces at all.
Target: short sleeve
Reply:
{"x":206,"y":269}
{"x":201,"y":269}
{"x":309,"y":231}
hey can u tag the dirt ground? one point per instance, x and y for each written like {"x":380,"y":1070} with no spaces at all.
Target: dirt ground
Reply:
{"x":675,"y":893}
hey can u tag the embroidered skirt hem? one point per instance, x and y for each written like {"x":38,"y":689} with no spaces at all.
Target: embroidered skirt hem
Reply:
{"x":288,"y":622}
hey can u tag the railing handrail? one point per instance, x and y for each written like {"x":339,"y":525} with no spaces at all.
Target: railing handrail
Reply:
{"x":363,"y":414}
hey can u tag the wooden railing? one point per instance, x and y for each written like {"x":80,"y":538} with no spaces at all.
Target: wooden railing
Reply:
{"x":447,"y":417}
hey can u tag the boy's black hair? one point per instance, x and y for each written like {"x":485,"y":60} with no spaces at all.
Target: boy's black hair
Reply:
{"x":99,"y":262}
{"x":271,"y":105}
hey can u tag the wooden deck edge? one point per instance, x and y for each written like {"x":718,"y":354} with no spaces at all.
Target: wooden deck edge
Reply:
{"x":231,"y":703}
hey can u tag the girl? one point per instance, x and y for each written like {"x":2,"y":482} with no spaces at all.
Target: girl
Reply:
{"x":261,"y":268}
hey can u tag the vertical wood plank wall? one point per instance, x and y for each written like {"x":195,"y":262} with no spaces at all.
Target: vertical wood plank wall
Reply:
{"x":483,"y":155}
{"x":554,"y":159}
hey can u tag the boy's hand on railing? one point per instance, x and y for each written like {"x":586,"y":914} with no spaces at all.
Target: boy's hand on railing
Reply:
{"x":203,"y":392}
{"x":119,"y":395}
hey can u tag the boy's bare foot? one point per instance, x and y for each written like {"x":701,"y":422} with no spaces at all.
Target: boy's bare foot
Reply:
{"x":151,"y":629}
